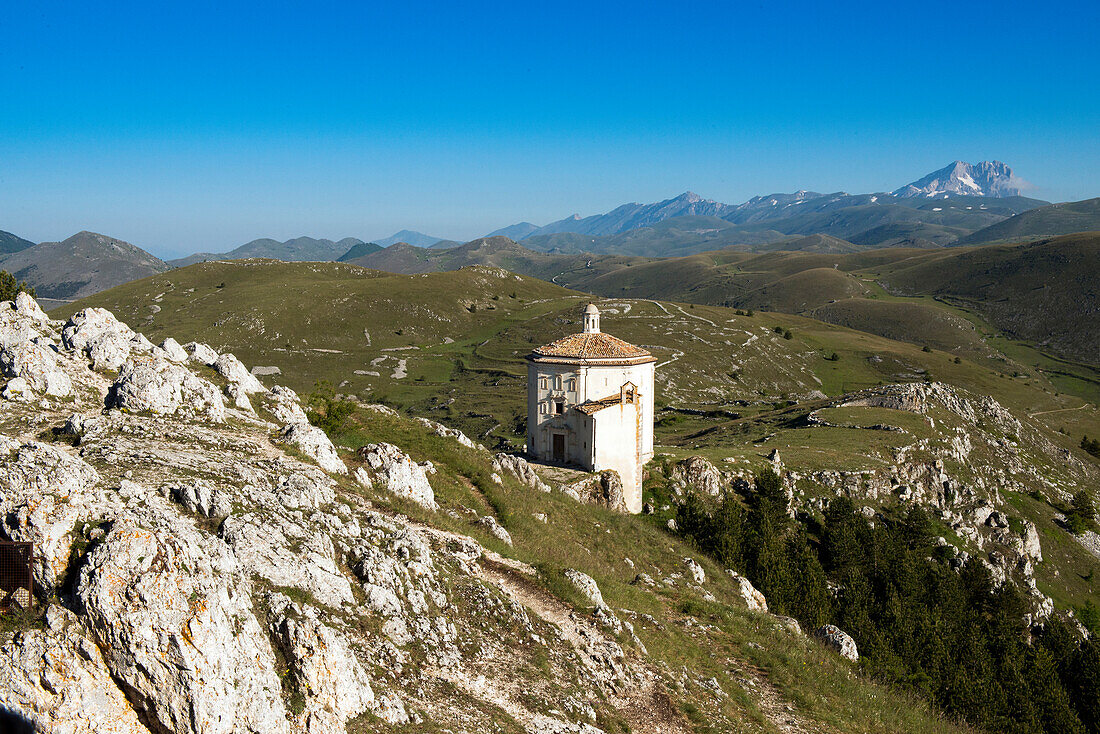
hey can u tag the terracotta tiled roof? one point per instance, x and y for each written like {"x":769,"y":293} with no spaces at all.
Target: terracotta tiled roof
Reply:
{"x":591,"y":346}
{"x":593,"y":406}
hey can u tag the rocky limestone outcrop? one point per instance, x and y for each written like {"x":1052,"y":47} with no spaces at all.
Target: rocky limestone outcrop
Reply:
{"x":314,"y":443}
{"x":398,"y":474}
{"x":441,"y":430}
{"x":172,"y":351}
{"x":159,"y":386}
{"x":45,"y":493}
{"x":604,"y":489}
{"x":697,"y":472}
{"x":837,"y":639}
{"x":285,"y":405}
{"x":201,"y":353}
{"x":754,"y":600}
{"x":229,"y":367}
{"x":586,"y":585}
{"x":519,"y":468}
{"x":105,"y":340}
{"x":57,"y":677}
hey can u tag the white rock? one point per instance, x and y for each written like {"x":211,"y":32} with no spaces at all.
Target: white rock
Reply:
{"x":838,"y":640}
{"x":57,"y":679}
{"x":754,"y":600}
{"x":175,"y":620}
{"x":314,"y":443}
{"x":229,"y":367}
{"x":695,"y":570}
{"x":363,"y":477}
{"x":173,"y":351}
{"x":697,"y":472}
{"x":43,"y":493}
{"x":495,"y":529}
{"x":28,"y":308}
{"x":201,"y":353}
{"x":402,"y":476}
{"x":18,"y":389}
{"x":158,"y":386}
{"x":285,"y":406}
{"x":320,"y":660}
{"x":105,"y":340}
{"x":586,"y":585}
{"x":38,"y":365}
{"x":518,"y":467}
{"x":441,"y":430}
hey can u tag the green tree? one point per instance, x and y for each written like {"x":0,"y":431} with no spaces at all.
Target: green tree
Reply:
{"x":10,"y":287}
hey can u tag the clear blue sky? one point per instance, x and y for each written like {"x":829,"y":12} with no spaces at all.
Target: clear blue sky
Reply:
{"x":199,"y":126}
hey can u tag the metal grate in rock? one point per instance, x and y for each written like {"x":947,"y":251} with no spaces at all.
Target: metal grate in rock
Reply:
{"x":16,"y":575}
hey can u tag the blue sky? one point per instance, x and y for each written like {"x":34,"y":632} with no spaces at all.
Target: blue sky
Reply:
{"x":200,"y":126}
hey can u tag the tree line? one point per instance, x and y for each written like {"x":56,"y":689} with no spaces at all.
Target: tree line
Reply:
{"x":921,"y":622}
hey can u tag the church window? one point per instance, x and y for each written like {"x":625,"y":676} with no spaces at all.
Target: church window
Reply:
{"x":542,"y":383}
{"x":571,"y":385}
{"x":557,"y":382}
{"x":559,"y":407}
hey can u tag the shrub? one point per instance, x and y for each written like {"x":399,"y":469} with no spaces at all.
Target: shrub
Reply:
{"x":325,"y":410}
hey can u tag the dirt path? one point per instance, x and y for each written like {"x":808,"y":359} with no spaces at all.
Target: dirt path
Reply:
{"x":1058,"y":410}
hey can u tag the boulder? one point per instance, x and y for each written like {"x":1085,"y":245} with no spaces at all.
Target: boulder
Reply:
{"x":518,"y":467}
{"x":441,"y":430}
{"x":696,"y":571}
{"x":399,"y":474}
{"x":105,"y":340}
{"x":285,"y":405}
{"x":697,"y":472}
{"x":586,"y":585}
{"x":754,"y":600}
{"x":236,"y":373}
{"x":838,"y":640}
{"x":38,"y":365}
{"x":314,"y":443}
{"x":201,"y":353}
{"x":172,"y":350}
{"x":495,"y":529}
{"x":159,"y":386}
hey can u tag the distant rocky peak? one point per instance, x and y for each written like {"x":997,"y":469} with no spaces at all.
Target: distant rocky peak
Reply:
{"x":986,"y":178}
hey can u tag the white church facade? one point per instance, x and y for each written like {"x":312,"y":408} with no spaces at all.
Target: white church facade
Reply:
{"x":590,"y":404}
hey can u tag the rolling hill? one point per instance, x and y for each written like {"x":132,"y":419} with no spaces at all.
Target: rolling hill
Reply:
{"x":81,"y":265}
{"x":1046,"y":221}
{"x":298,"y":249}
{"x":1046,"y":292}
{"x":359,"y":249}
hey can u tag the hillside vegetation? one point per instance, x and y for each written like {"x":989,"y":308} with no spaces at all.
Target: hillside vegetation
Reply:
{"x":745,"y":393}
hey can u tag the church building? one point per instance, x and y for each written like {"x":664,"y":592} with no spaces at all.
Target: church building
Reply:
{"x":590,"y":405}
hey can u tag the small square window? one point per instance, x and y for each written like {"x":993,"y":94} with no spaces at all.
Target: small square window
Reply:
{"x":559,"y":407}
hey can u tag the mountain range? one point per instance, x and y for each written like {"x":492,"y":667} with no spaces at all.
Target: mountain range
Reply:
{"x":985,"y":179}
{"x":81,"y":265}
{"x":298,"y":249}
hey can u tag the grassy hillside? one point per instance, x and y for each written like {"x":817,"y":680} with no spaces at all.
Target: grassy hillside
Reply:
{"x":1044,"y":292}
{"x":1047,"y":221}
{"x":452,"y":344}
